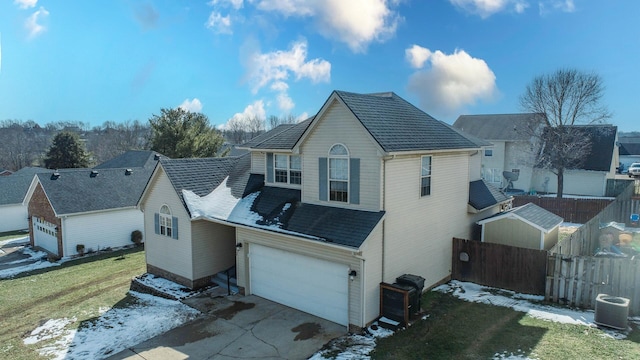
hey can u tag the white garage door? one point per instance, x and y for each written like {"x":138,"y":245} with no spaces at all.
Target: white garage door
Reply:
{"x":45,"y":235}
{"x":316,"y":286}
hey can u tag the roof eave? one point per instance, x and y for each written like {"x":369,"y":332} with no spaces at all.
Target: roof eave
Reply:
{"x":423,"y":151}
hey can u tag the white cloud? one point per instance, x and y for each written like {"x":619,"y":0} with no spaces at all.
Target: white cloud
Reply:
{"x":416,"y":55}
{"x":32,"y":23}
{"x":276,"y":67}
{"x":191,"y":105}
{"x":218,"y":23}
{"x":356,"y":23}
{"x":285,"y":103}
{"x":486,"y":8}
{"x":25,"y":4}
{"x":452,"y":81}
{"x":236,"y":4}
{"x":252,"y":111}
{"x":556,"y":5}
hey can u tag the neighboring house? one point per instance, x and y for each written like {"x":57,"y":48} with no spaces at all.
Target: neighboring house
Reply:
{"x":629,"y":150}
{"x":13,"y":202}
{"x":513,"y":147}
{"x":93,"y":207}
{"x":591,"y":178}
{"x":319,"y":213}
{"x":527,"y":226}
{"x":5,"y":172}
{"x":515,"y":150}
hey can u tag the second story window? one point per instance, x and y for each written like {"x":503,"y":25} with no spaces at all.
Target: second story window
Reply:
{"x":287,"y":169}
{"x":425,"y":177}
{"x":488,"y":152}
{"x":339,"y":173}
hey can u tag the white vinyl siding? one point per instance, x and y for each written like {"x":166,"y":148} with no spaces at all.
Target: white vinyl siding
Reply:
{"x":213,"y":246}
{"x":97,"y":231}
{"x":338,"y":125}
{"x":258,"y":162}
{"x":418,"y":230}
{"x":163,"y":252}
{"x":14,"y":217}
{"x":576,"y":182}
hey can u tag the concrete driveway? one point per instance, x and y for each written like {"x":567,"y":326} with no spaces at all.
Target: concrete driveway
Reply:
{"x":239,"y":327}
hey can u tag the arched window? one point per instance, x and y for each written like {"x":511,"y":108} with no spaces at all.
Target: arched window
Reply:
{"x":166,"y":221}
{"x":339,"y":173}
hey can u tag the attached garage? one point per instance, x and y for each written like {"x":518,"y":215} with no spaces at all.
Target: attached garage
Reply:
{"x":309,"y":284}
{"x":45,"y":235}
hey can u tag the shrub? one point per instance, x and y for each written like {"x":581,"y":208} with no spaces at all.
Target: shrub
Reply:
{"x":136,"y":237}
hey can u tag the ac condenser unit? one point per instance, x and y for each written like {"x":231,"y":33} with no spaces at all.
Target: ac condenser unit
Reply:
{"x":612,"y":311}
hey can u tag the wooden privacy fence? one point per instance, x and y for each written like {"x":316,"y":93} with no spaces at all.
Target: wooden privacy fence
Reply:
{"x":502,"y":266}
{"x":576,"y":281}
{"x":574,"y":210}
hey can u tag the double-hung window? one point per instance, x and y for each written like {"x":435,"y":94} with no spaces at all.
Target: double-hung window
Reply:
{"x":287,"y":169}
{"x":425,"y":176}
{"x":339,"y":173}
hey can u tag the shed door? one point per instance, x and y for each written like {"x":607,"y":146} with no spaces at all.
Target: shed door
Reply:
{"x":312,"y":285}
{"x":44,"y":235}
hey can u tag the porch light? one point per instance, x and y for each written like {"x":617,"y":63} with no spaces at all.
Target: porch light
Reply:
{"x":238,"y":246}
{"x":352,"y":274}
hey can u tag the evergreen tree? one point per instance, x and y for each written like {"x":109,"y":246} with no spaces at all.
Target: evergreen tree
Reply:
{"x":66,"y":151}
{"x":177,"y":133}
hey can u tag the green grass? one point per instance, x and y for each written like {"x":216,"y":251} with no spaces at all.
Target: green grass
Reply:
{"x":456,"y":329}
{"x":12,"y":235}
{"x":78,"y":288}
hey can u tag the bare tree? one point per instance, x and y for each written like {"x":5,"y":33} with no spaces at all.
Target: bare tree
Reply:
{"x":274,"y":121}
{"x":566,"y":97}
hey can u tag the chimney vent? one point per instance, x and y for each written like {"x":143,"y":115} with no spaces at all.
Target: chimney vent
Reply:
{"x":93,"y":174}
{"x":128,"y":172}
{"x":55,"y":175}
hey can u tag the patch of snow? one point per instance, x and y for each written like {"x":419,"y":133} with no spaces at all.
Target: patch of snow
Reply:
{"x":511,"y":356}
{"x":41,"y":264}
{"x":354,"y":346}
{"x":522,"y":302}
{"x":14,"y":242}
{"x":114,"y":331}
{"x":165,"y":286}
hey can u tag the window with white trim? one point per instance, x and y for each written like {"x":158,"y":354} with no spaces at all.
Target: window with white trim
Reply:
{"x":488,"y":152}
{"x":339,"y":173}
{"x":425,"y":176}
{"x":287,"y":169}
{"x":166,"y":221}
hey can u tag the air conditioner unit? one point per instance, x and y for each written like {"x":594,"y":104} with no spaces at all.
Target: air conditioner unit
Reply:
{"x":612,"y":311}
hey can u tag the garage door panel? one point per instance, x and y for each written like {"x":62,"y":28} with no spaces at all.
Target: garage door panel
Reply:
{"x":316,"y":286}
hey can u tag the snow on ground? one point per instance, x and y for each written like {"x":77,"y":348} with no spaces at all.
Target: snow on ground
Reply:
{"x":35,"y":260}
{"x":354,"y":346}
{"x":529,"y":304}
{"x":165,"y":286}
{"x":15,"y":242}
{"x":115,"y":330}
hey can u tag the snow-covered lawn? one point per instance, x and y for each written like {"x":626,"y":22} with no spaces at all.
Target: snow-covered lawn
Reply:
{"x":114,"y":330}
{"x":34,"y":260}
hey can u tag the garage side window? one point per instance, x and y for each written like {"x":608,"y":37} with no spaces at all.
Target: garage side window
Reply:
{"x":165,"y":223}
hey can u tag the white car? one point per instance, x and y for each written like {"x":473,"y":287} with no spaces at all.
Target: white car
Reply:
{"x":634,"y":170}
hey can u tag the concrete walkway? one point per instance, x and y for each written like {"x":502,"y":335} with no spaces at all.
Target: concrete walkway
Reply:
{"x":239,"y":327}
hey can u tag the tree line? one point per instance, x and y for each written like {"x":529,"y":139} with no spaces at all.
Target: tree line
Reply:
{"x":174,"y":133}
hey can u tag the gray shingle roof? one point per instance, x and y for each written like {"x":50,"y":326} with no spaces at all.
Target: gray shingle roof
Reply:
{"x":30,"y":171}
{"x":75,"y":191}
{"x":282,"y":137}
{"x":628,"y":148}
{"x":13,"y":188}
{"x":397,"y":125}
{"x":131,"y":159}
{"x":483,"y":195}
{"x":335,"y":225}
{"x":533,"y":214}
{"x":501,"y":127}
{"x":203,"y":175}
{"x":603,"y":139}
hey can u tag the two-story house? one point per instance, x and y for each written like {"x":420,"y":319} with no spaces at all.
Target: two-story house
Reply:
{"x":516,"y":145}
{"x":319,"y":213}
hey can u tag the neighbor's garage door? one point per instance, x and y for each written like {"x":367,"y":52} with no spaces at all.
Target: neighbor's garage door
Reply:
{"x":45,"y":235}
{"x":316,"y":286}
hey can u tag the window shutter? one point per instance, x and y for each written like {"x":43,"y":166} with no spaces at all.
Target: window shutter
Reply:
{"x":174,"y":225}
{"x":156,"y":218}
{"x":322,"y":179}
{"x":354,"y":181}
{"x":269,"y":167}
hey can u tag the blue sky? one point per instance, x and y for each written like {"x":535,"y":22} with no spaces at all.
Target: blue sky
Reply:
{"x":122,"y":60}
